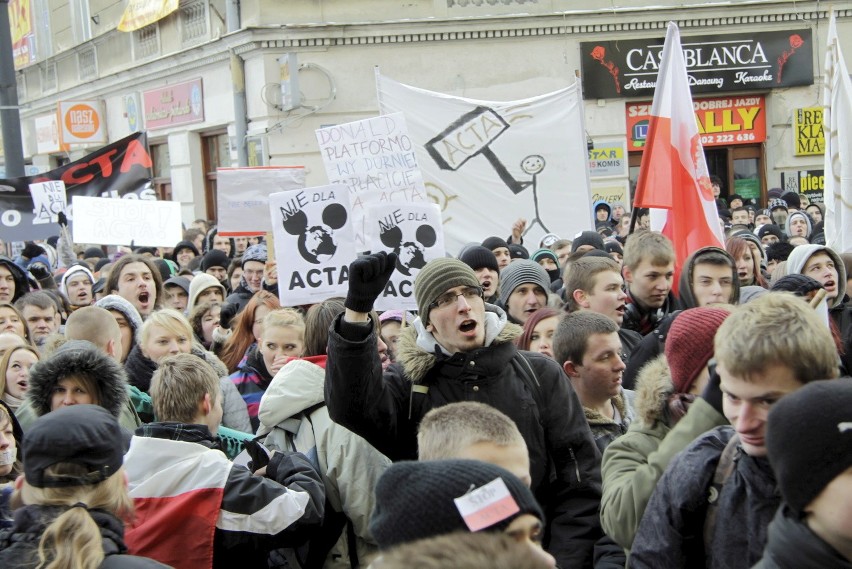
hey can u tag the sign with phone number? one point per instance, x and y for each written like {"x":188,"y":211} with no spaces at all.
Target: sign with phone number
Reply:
{"x":721,"y":121}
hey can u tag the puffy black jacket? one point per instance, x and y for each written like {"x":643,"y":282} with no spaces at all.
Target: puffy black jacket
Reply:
{"x":385,"y":409}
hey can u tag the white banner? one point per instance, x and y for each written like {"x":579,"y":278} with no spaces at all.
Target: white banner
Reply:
{"x":488,"y":163}
{"x":242,"y":196}
{"x":314,"y":243}
{"x":375,"y":159}
{"x":414,"y":233}
{"x":49,"y":199}
{"x":108,"y":221}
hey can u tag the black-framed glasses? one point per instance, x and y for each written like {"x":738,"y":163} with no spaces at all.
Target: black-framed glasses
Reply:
{"x":449,"y":298}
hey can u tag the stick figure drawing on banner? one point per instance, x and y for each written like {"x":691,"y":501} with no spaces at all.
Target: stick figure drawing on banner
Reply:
{"x":471,"y":135}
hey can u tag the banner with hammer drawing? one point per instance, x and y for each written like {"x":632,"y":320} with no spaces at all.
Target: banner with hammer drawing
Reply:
{"x":488,"y":163}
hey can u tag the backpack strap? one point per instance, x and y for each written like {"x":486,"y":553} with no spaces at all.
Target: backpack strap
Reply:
{"x":724,"y":469}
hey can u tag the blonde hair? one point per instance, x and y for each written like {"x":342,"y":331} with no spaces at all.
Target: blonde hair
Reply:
{"x":584,"y":275}
{"x":462,"y":550}
{"x":446,"y":431}
{"x":776,"y":329}
{"x":168,"y":319}
{"x":650,"y":245}
{"x":179,"y":384}
{"x":284,"y":318}
{"x":73,"y":538}
{"x":7,"y":357}
{"x":6,"y":417}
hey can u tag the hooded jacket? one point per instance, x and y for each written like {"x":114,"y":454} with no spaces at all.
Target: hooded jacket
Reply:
{"x":671,"y":533}
{"x":686,"y":295}
{"x":633,"y":463}
{"x":19,"y":544}
{"x":803,"y":215}
{"x":606,"y":430}
{"x":793,"y":545}
{"x":199,"y":284}
{"x":386,"y":409}
{"x":349,"y":466}
{"x":608,"y":210}
{"x":22,"y":284}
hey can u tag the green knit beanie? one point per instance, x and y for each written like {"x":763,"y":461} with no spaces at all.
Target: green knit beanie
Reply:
{"x":436,"y":278}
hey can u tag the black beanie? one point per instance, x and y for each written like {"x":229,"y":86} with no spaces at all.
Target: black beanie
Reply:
{"x":809,"y":439}
{"x":183,"y":245}
{"x":477,"y":257}
{"x":733,"y":197}
{"x":415,"y":500}
{"x":93,"y":252}
{"x":792,"y":199}
{"x":798,"y":284}
{"x":518,"y":251}
{"x":214,"y":258}
{"x":614,"y":247}
{"x":100,"y":264}
{"x":770,"y":228}
{"x":492,"y":243}
{"x":592,"y":238}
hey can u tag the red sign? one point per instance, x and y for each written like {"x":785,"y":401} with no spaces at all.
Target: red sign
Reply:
{"x":173,"y":105}
{"x":721,"y":121}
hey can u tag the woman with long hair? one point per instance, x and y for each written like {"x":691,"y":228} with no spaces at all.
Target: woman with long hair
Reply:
{"x":748,"y":264}
{"x":11,"y":320}
{"x":538,"y":331}
{"x":15,"y":373}
{"x":246,"y":329}
{"x":204,"y":319}
{"x":74,"y":495}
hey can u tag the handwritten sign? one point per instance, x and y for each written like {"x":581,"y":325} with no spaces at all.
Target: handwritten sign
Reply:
{"x":107,"y":221}
{"x":487,"y":505}
{"x":375,"y":159}
{"x":242,"y":196}
{"x":48,"y":200}
{"x":414,"y":233}
{"x":314,"y":244}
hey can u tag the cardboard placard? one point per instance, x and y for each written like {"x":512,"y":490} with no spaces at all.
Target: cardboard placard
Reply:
{"x":108,"y":221}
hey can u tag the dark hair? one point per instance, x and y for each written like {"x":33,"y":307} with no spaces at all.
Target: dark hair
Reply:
{"x":317,"y":322}
{"x":523,"y":341}
{"x":197,"y":315}
{"x":122,"y":262}
{"x":779,"y":251}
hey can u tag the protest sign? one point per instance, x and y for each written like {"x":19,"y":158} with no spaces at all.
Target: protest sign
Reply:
{"x":242,"y":196}
{"x":105,"y":221}
{"x":374,"y":158}
{"x":414,"y":233}
{"x":314,"y":244}
{"x":48,"y":200}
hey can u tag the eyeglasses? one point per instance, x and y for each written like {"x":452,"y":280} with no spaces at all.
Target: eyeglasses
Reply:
{"x":449,"y":298}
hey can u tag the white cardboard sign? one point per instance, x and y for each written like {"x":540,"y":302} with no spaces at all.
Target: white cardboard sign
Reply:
{"x":111,"y":221}
{"x":242,"y":196}
{"x":49,"y":199}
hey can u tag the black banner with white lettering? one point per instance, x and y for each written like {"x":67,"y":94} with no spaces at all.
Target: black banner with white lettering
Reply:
{"x":714,"y":63}
{"x":119,"y":170}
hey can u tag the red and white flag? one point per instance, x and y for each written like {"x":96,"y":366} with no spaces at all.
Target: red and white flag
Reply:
{"x":673,"y":178}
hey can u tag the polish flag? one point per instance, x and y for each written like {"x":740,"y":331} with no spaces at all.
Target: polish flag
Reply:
{"x":673,"y":178}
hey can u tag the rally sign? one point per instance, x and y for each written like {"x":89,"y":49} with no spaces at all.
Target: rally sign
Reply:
{"x":414,"y":233}
{"x":104,"y":221}
{"x":314,"y":243}
{"x":120,"y":170}
{"x":48,"y":199}
{"x":242,"y":196}
{"x":721,"y":121}
{"x":375,"y":159}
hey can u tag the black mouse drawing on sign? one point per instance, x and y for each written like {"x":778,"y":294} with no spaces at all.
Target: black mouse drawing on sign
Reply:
{"x":409,"y":254}
{"x":317,"y":243}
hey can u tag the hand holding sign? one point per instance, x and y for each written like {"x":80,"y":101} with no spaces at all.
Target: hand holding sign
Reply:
{"x":368,"y":276}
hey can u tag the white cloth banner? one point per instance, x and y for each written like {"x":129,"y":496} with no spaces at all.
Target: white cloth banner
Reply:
{"x":414,"y":233}
{"x":110,"y":221}
{"x":837,"y":117}
{"x":375,"y":159}
{"x":242,"y":196}
{"x":49,"y":199}
{"x":488,"y":163}
{"x":314,"y":243}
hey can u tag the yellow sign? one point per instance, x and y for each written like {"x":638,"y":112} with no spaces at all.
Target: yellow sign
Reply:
{"x":141,"y":13}
{"x":807,"y":131}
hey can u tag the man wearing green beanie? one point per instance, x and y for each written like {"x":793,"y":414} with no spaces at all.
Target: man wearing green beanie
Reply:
{"x":461,"y":349}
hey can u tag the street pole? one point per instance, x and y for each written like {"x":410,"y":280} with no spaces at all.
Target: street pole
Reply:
{"x":10,"y":117}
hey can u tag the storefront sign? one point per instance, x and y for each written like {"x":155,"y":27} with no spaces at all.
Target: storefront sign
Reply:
{"x":607,"y":159}
{"x":715,"y":63}
{"x":173,"y":105}
{"x":722,"y":121}
{"x":807,"y":132}
{"x":808,"y":182}
{"x":23,"y":34}
{"x":47,"y":135}
{"x":82,"y":122}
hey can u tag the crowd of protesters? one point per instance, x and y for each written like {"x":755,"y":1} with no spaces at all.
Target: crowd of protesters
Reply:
{"x":567,"y":403}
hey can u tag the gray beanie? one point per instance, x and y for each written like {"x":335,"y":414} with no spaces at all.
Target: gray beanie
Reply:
{"x":436,"y":278}
{"x":522,"y":272}
{"x":119,"y":303}
{"x":255,"y":253}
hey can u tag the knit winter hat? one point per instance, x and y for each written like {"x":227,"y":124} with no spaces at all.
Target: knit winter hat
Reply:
{"x":689,"y":345}
{"x":74,"y":270}
{"x":798,"y":284}
{"x":592,"y":238}
{"x":614,"y":247}
{"x":439,"y":276}
{"x":199,"y":284}
{"x":770,"y":229}
{"x":255,"y":253}
{"x":540,"y":254}
{"x":792,"y":199}
{"x":122,"y":305}
{"x":181,"y":246}
{"x":93,"y":252}
{"x":521,"y":272}
{"x":518,"y":251}
{"x":492,"y":243}
{"x":809,"y":439}
{"x":182,"y":282}
{"x":416,"y":500}
{"x":549,"y":239}
{"x":733,"y":197}
{"x":777,"y":203}
{"x":478,"y":257}
{"x":215,"y":258}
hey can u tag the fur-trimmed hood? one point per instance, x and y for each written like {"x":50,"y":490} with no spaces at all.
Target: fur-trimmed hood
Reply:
{"x":417,"y":349}
{"x":78,"y":357}
{"x":653,"y":388}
